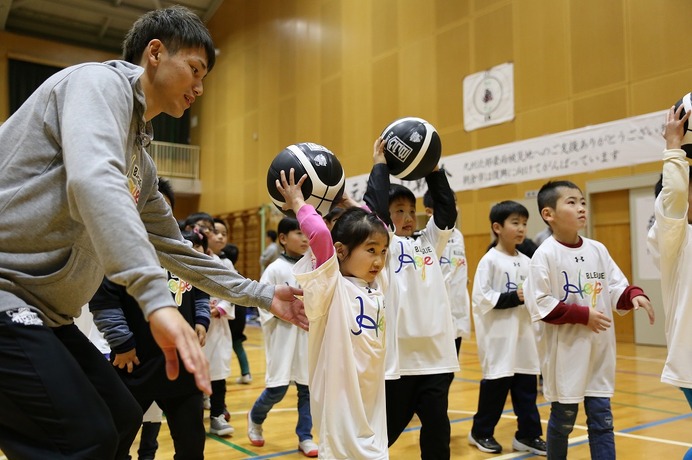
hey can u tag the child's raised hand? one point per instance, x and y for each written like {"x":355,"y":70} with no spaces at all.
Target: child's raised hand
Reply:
{"x":378,"y":152}
{"x":598,"y":321}
{"x":346,"y":201}
{"x":642,"y":302}
{"x":291,"y":191}
{"x":674,"y":129}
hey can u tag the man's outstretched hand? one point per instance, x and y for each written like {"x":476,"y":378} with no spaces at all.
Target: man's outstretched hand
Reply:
{"x":286,"y":306}
{"x":176,"y":337}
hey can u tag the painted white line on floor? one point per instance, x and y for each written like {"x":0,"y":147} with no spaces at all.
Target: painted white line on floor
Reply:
{"x":648,"y":438}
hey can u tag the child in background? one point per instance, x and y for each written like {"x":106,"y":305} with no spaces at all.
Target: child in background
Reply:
{"x":219,"y":339}
{"x":343,"y":283}
{"x":456,"y":274}
{"x":505,"y":337}
{"x":421,"y":358}
{"x":237,"y":324}
{"x":572,"y":288}
{"x":669,"y":241}
{"x":286,"y":347}
{"x":140,"y":362}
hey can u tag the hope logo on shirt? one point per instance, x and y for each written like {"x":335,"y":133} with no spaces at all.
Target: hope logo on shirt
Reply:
{"x":421,"y":258}
{"x":367,"y":322}
{"x":589,"y":290}
{"x":178,"y":287}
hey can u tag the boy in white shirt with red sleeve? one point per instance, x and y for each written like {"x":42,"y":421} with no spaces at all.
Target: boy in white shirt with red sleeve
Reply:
{"x":572,"y":289}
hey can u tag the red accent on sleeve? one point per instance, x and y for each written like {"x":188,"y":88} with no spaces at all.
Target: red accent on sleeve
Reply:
{"x":625,"y":300}
{"x":568,"y":314}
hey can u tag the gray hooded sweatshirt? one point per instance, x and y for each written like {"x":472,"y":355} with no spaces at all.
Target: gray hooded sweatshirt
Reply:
{"x":79,"y":199}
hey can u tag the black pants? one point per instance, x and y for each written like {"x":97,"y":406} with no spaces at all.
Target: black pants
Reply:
{"x":217,"y":400}
{"x":491,"y":403}
{"x":185,"y":418}
{"x":426,"y":396}
{"x":59,"y":397}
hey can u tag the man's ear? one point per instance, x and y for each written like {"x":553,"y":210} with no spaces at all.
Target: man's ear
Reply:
{"x":152,"y":52}
{"x":341,"y":251}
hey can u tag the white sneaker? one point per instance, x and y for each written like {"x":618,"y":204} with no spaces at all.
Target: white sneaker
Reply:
{"x":244,"y":379}
{"x":254,"y":432}
{"x":219,"y":426}
{"x":308,"y":448}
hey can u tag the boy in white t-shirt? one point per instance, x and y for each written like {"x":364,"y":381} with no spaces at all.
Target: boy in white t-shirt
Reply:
{"x":456,"y":274}
{"x":670,"y":242}
{"x":505,"y":336}
{"x":420,"y":356}
{"x":285,"y":346}
{"x":572,"y":288}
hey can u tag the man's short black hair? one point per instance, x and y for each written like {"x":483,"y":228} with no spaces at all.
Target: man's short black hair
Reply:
{"x":167,"y":190}
{"x":176,"y":26}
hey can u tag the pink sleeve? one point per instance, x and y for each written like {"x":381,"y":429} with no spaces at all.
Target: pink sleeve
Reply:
{"x":314,"y":227}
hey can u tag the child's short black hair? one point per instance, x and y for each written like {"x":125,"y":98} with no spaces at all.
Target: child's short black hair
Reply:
{"x":192,"y":219}
{"x":355,"y":226}
{"x":659,"y":185}
{"x":230,"y":252}
{"x":176,"y":26}
{"x":167,"y":190}
{"x":272,"y":235}
{"x":220,"y":221}
{"x":333,"y":214}
{"x":397,"y":191}
{"x":548,"y":194}
{"x":287,"y":225}
{"x":502,"y":210}
{"x":197,"y":238}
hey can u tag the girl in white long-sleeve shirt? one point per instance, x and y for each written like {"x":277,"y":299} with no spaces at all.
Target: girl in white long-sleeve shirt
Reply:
{"x":343,"y":284}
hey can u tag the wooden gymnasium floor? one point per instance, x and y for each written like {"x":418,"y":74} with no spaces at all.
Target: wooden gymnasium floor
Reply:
{"x":652,"y":420}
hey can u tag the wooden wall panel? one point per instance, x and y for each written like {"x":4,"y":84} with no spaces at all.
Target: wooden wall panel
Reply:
{"x":597,"y":43}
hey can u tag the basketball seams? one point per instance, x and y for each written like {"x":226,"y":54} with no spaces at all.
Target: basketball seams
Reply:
{"x":317,"y":192}
{"x":418,"y":158}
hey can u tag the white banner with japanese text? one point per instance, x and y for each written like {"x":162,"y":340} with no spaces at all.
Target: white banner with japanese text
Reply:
{"x":625,"y":142}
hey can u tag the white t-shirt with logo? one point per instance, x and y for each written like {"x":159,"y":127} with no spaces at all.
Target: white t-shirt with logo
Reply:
{"x":505,"y":337}
{"x":575,"y":362}
{"x":346,"y":360}
{"x":285,"y":345}
{"x":455,"y":271}
{"x":420,"y":339}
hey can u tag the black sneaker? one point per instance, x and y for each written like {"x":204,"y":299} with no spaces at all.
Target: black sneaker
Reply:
{"x":536,"y":446}
{"x":488,"y":445}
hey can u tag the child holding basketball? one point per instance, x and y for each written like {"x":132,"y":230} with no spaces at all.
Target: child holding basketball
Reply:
{"x":669,"y":242}
{"x":572,"y":288}
{"x":505,"y":336}
{"x":421,"y":357}
{"x":285,"y":346}
{"x":343,"y":283}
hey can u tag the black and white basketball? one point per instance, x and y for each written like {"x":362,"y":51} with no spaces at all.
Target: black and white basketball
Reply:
{"x":686,"y":102}
{"x":325,"y":183}
{"x":412,"y":148}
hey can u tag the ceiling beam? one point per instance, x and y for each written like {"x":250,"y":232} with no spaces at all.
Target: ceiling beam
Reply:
{"x":211,"y":9}
{"x":5,"y":6}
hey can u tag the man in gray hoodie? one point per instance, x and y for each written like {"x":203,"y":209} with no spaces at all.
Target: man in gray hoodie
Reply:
{"x":79,"y":200}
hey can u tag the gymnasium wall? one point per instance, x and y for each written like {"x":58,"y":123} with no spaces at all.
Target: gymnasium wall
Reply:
{"x":13,"y":46}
